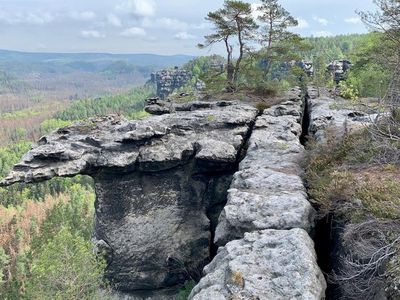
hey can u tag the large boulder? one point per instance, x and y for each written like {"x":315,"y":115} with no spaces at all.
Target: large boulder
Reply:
{"x":160,"y":185}
{"x":264,"y":265}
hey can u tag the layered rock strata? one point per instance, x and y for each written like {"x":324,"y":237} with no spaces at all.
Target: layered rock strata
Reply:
{"x":160,"y":185}
{"x":332,"y":118}
{"x":167,"y":81}
{"x":266,"y":251}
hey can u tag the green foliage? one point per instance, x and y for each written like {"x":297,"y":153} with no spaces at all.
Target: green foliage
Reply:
{"x":184,"y":292}
{"x":10,"y":155}
{"x":76,"y":215}
{"x":331,"y":48}
{"x":205,"y":66}
{"x":266,"y":90}
{"x":65,"y":268}
{"x":126,"y":104}
{"x":371,"y":70}
{"x":4,"y":260}
{"x":342,"y":173}
{"x":347,"y":91}
{"x":51,"y":125}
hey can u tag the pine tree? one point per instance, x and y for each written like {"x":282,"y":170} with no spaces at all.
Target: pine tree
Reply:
{"x":234,"y":20}
{"x":277,"y":20}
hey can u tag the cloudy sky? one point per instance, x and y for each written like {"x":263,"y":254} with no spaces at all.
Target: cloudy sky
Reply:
{"x":147,"y":26}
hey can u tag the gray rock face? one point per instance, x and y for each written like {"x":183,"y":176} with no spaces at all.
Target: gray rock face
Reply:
{"x":160,"y":185}
{"x":267,"y":192}
{"x":267,"y":253}
{"x":168,"y":81}
{"x":264,"y":265}
{"x":329,"y":119}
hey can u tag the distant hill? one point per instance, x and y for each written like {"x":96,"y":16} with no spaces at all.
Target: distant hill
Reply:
{"x":27,"y":78}
{"x":135,"y":59}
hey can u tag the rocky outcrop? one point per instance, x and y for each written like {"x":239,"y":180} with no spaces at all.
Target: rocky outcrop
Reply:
{"x":168,"y":81}
{"x":265,"y":265}
{"x":332,"y":118}
{"x":267,"y":191}
{"x":160,"y":184}
{"x":268,"y":253}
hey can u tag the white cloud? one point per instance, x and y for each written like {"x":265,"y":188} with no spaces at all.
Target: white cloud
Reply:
{"x":173,"y":24}
{"x":133,"y":32}
{"x":183,"y":35}
{"x":321,"y":21}
{"x":92,"y":34}
{"x":140,"y":8}
{"x":302,"y":23}
{"x":255,"y":12}
{"x":201,"y":26}
{"x":353,"y":20}
{"x":322,"y":33}
{"x":114,"y":20}
{"x":83,"y":16}
{"x":29,"y":18}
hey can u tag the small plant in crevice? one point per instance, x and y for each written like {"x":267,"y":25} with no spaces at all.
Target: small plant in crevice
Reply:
{"x":261,"y":106}
{"x":185,"y":291}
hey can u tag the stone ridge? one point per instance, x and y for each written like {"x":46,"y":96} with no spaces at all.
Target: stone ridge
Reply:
{"x":267,"y":253}
{"x":160,"y":186}
{"x":213,"y":135}
{"x":330,"y":118}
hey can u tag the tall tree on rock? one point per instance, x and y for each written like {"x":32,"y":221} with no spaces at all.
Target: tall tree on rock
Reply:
{"x":274,"y":32}
{"x":233,"y":22}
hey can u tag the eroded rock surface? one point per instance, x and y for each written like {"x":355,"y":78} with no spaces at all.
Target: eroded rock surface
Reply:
{"x":332,"y":119}
{"x":168,"y":81}
{"x":160,"y":185}
{"x":264,"y":265}
{"x":267,"y":191}
{"x":266,"y":251}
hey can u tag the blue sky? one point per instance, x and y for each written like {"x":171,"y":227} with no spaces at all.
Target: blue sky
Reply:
{"x":147,"y":26}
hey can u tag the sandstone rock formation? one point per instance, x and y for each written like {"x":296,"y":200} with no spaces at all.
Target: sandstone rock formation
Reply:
{"x":265,"y":265}
{"x":330,"y":118}
{"x":160,"y":185}
{"x":268,"y":253}
{"x":168,"y":81}
{"x":267,"y":191}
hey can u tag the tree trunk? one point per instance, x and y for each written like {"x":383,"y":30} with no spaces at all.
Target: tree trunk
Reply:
{"x":230,"y":69}
{"x":393,"y":95}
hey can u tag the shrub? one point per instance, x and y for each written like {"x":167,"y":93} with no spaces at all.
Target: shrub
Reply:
{"x":266,"y":89}
{"x":348,"y":91}
{"x":261,"y":106}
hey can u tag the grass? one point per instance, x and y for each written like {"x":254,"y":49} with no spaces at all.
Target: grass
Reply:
{"x":346,"y":178}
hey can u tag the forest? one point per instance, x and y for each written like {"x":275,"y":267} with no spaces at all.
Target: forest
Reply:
{"x":46,"y":228}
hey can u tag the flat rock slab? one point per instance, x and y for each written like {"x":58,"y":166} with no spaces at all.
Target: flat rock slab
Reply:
{"x":264,"y":265}
{"x":212,"y":134}
{"x":331,"y":119}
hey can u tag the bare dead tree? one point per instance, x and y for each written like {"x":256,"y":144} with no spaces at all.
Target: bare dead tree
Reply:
{"x":364,"y":269}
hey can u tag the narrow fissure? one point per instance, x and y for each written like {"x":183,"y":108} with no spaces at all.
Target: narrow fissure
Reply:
{"x":213,"y":212}
{"x":325,"y":233}
{"x":305,"y":124}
